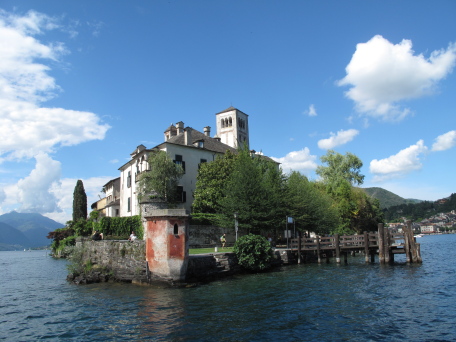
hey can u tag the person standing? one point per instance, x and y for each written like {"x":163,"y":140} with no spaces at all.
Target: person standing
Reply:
{"x":223,"y":240}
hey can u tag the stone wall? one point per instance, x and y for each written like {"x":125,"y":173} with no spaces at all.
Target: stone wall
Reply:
{"x":125,"y":260}
{"x":211,"y":266}
{"x":209,"y":236}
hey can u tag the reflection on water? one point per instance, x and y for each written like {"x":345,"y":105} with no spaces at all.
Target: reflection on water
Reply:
{"x":161,"y":311}
{"x":327,"y":302}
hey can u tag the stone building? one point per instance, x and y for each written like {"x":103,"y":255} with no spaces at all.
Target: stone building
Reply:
{"x":187,"y":147}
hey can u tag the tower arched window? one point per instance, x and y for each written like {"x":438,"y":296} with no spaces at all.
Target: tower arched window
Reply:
{"x":231,"y":121}
{"x":223,"y":123}
{"x":176,"y":229}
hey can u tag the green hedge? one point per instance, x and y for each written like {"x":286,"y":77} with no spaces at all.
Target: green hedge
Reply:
{"x":121,"y":226}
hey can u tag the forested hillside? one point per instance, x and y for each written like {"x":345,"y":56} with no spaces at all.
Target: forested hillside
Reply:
{"x":387,"y":198}
{"x":419,"y":211}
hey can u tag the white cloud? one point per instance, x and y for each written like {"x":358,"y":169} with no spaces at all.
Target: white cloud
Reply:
{"x":44,"y":192}
{"x":404,"y":162}
{"x":2,"y":195}
{"x":63,"y":191}
{"x":301,"y":161}
{"x":342,"y":137}
{"x":33,"y":191}
{"x":27,"y":128}
{"x":445,"y":141}
{"x":30,"y":130}
{"x":311,"y":111}
{"x":382,"y":74}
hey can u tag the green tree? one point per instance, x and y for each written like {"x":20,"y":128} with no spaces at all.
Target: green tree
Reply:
{"x":357,"y":212}
{"x":254,"y":191}
{"x":79,"y":202}
{"x":210,"y":184}
{"x":368,"y":214}
{"x":312,"y":209}
{"x":162,"y":180}
{"x":340,"y":167}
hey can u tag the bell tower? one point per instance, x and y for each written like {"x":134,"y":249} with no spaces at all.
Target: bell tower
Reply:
{"x":233,"y":127}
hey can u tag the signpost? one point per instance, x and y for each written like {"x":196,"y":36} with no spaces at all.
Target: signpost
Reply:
{"x":287,"y":231}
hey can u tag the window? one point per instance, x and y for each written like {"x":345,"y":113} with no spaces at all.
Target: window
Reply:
{"x":201,"y":143}
{"x":178,"y":160}
{"x":129,"y":204}
{"x":181,"y":195}
{"x":176,"y":229}
{"x":117,"y":212}
{"x":201,"y":161}
{"x":129,"y":179}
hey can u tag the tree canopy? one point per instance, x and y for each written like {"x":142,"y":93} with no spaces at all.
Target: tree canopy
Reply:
{"x":255,"y":188}
{"x":254,"y":191}
{"x":162,"y":180}
{"x":340,"y":167}
{"x":311,"y":208}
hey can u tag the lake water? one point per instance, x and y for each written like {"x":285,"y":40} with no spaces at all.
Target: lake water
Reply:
{"x":328,"y":302}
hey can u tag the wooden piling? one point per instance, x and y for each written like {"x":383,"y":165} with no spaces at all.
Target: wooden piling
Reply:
{"x":408,"y":258}
{"x":318,"y":249}
{"x":366,"y":247}
{"x":381,"y":244}
{"x":299,"y":247}
{"x":337,"y":246}
{"x":413,"y":246}
{"x":418,"y":251}
{"x":386,"y":248}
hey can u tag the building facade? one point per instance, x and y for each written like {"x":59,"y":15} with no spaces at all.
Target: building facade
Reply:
{"x":187,"y":147}
{"x":112,"y":191}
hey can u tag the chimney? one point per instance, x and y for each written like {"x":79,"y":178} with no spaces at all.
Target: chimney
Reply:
{"x":180,"y":127}
{"x":207,"y":131}
{"x":188,"y":136}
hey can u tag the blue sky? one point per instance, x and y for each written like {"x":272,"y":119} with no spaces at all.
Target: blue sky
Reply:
{"x":82,"y":83}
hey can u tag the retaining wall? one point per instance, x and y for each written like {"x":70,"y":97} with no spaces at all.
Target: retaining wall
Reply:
{"x":126,"y":261}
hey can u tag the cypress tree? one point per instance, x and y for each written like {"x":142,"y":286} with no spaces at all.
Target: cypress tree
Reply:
{"x":79,"y":202}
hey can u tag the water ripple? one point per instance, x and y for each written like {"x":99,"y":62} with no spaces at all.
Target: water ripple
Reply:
{"x":309,"y":302}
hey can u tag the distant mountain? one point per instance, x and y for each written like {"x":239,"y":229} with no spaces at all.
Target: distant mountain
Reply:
{"x":10,"y":236}
{"x":387,"y":198}
{"x":26,"y":229}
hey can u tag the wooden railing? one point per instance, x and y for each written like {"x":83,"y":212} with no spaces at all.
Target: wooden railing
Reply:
{"x":384,"y":243}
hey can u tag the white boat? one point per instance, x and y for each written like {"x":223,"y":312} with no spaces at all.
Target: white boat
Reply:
{"x":419,"y":235}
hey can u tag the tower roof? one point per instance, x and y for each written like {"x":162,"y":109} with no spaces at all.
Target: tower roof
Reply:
{"x":171,"y":128}
{"x":229,"y":109}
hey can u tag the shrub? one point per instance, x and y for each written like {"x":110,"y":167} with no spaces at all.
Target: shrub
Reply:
{"x":254,"y":252}
{"x":76,"y":264}
{"x":81,"y":227}
{"x":58,"y":236}
{"x":121,"y":226}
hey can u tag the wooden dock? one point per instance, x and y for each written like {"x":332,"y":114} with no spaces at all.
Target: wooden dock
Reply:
{"x":382,"y":243}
